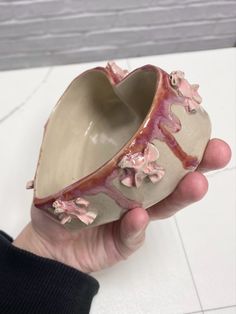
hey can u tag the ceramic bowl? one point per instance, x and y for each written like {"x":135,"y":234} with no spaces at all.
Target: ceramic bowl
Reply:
{"x":116,"y":141}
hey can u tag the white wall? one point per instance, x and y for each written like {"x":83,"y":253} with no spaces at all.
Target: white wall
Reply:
{"x":46,"y":32}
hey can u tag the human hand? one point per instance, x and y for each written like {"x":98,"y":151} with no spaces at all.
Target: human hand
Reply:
{"x":99,"y":247}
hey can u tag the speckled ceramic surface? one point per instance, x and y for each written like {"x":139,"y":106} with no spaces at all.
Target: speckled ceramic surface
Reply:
{"x":118,"y":140}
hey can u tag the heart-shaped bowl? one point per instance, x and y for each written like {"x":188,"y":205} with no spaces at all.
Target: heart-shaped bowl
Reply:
{"x":117,"y":140}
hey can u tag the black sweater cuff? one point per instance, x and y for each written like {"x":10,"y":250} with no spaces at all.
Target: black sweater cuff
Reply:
{"x":36,"y":285}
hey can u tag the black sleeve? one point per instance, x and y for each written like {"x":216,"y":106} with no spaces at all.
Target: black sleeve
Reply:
{"x":30,"y":284}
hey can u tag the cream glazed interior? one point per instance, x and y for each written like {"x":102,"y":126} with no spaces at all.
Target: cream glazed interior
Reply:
{"x":118,"y":140}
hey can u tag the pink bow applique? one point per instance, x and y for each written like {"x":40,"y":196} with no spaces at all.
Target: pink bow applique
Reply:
{"x":140,"y":165}
{"x":78,"y":208}
{"x":192,"y":99}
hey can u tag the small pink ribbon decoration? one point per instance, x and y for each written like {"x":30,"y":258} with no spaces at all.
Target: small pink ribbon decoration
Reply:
{"x":140,"y":165}
{"x":116,"y":72}
{"x":78,"y":208}
{"x":185,"y":89}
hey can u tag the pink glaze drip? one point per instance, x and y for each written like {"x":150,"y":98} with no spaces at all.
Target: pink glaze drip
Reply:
{"x":163,"y":123}
{"x":106,"y":186}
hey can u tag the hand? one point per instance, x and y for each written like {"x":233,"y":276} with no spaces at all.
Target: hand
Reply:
{"x":96,"y":248}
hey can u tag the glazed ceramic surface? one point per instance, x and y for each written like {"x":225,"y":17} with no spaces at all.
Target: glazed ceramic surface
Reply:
{"x":116,"y":141}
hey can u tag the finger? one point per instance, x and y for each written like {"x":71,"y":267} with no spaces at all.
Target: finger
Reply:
{"x":216,"y":156}
{"x":132,"y":230}
{"x":191,"y":189}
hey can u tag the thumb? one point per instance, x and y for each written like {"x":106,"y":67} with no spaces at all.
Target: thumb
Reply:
{"x":132,"y":230}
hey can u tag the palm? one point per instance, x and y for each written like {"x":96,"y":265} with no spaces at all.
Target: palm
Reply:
{"x":96,"y":248}
{"x":89,"y":249}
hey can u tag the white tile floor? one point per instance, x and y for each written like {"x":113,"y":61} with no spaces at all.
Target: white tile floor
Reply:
{"x":188,"y":263}
{"x":230,"y":310}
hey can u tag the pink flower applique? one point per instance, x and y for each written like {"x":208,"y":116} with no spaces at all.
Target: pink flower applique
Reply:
{"x":78,"y":208}
{"x":116,"y":72}
{"x":139,"y":166}
{"x":189,"y":91}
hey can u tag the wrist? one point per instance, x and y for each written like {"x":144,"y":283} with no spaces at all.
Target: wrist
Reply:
{"x":30,"y":241}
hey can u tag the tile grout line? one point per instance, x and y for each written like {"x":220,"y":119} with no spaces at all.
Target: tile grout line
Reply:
{"x":24,"y":102}
{"x":214,"y":309}
{"x":188,"y":264}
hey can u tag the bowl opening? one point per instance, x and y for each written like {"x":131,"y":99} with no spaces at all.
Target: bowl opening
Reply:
{"x":92,"y":121}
